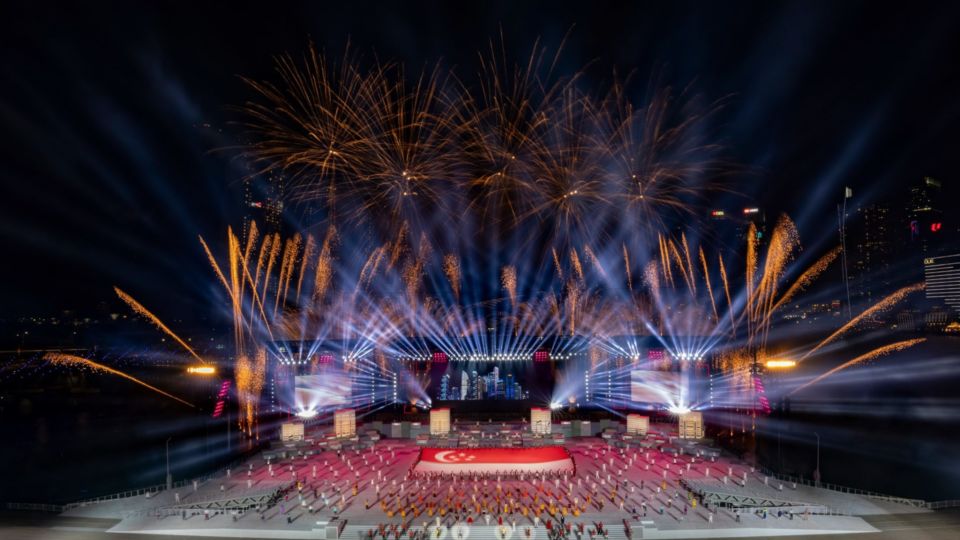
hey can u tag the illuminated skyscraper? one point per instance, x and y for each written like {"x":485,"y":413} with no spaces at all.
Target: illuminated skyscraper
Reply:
{"x":925,"y":217}
{"x":871,"y":245}
{"x":942,"y":278}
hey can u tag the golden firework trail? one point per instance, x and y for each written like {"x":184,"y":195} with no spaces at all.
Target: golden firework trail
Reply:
{"x":595,"y":354}
{"x":783,"y":242}
{"x":651,"y":277}
{"x":883,"y":305}
{"x":575,"y":264}
{"x":665,"y":260}
{"x":258,"y":302}
{"x":572,"y":303}
{"x":290,"y":253}
{"x":139,"y":309}
{"x":243,"y":374}
{"x":308,"y":251}
{"x":685,"y":272}
{"x":595,"y":261}
{"x":451,"y":268}
{"x":626,"y":264}
{"x":233,"y":255}
{"x":412,"y":273}
{"x":689,"y":264}
{"x":213,"y":263}
{"x":369,"y":269}
{"x":399,"y":246}
{"x":324,"y":273}
{"x":807,"y":277}
{"x":264,"y":251}
{"x":876,"y":353}
{"x":706,"y":279}
{"x":556,"y":263}
{"x":271,"y":259}
{"x":252,"y":237}
{"x":726,"y":290}
{"x":508,"y":278}
{"x":751,"y":271}
{"x":72,"y":360}
{"x":259,"y":377}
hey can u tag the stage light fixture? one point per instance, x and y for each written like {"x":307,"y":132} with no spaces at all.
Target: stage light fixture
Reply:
{"x":781,"y":364}
{"x":202,"y":370}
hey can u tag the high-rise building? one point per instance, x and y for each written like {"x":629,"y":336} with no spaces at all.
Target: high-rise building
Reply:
{"x":942,"y":278}
{"x":263,"y":198}
{"x":925,"y":217}
{"x":871,"y":247}
{"x":729,"y":228}
{"x":755,"y":216}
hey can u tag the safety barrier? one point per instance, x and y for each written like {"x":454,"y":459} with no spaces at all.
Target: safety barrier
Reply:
{"x":917,"y":503}
{"x":35,"y":507}
{"x":159,"y":487}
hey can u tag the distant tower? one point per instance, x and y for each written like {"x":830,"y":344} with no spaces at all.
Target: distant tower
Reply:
{"x":871,"y":251}
{"x":464,"y":384}
{"x":925,"y":217}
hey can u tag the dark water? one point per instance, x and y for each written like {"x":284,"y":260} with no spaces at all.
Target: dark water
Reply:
{"x":69,"y":436}
{"x":892,"y":426}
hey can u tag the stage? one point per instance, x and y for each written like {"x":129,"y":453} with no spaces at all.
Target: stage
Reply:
{"x":662,"y":490}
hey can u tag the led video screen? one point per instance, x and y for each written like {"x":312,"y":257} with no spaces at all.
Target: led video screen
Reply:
{"x":654,"y":386}
{"x":474,"y":381}
{"x":317,"y":392}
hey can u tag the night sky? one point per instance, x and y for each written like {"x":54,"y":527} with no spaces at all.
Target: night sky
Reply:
{"x":116,"y":118}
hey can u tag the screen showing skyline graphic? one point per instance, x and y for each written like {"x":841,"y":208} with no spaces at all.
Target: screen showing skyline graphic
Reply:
{"x":468,"y":381}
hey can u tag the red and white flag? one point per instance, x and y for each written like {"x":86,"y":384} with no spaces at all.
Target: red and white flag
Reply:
{"x":487,"y":460}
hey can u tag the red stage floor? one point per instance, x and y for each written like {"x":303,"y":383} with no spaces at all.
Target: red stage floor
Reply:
{"x":491,"y":460}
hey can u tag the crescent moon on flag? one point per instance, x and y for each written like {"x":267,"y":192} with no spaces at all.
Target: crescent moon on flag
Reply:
{"x":442,"y":456}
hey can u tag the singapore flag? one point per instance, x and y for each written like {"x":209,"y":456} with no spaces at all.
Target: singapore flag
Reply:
{"x":505,"y":460}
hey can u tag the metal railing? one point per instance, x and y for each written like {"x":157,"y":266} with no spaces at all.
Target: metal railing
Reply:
{"x":35,"y":507}
{"x":742,"y":505}
{"x":917,"y":503}
{"x":116,"y":496}
{"x":154,"y":489}
{"x":940,"y":505}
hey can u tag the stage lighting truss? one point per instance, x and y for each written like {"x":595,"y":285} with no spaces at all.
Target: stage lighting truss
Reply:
{"x":497,"y":357}
{"x":349,"y":359}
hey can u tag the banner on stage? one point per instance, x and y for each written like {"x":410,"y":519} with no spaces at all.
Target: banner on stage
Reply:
{"x":492,"y":460}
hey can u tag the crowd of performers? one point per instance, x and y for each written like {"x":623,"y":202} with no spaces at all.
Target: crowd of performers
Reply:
{"x":555,"y":501}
